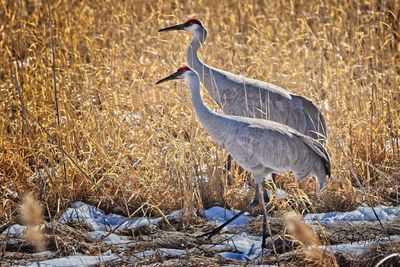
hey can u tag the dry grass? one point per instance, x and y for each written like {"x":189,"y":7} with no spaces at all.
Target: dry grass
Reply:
{"x":313,"y":254}
{"x":31,"y":215}
{"x":131,"y":147}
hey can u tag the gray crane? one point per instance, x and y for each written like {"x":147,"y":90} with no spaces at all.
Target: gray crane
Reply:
{"x":241,"y":96}
{"x":261,"y":147}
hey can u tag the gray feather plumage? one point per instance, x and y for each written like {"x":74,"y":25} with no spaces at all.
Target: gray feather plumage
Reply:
{"x":241,"y":96}
{"x":260,"y":146}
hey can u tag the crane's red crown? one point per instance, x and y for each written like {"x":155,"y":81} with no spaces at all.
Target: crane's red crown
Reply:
{"x":193,"y":21}
{"x":183,"y":69}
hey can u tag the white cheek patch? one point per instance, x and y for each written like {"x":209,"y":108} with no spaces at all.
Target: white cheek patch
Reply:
{"x":185,"y":75}
{"x":188,"y":74}
{"x":194,"y":28}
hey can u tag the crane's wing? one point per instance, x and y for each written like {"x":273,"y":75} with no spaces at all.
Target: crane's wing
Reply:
{"x":242,"y":96}
{"x":318,"y":149}
{"x":268,"y":146}
{"x":275,"y":144}
{"x":314,"y":118}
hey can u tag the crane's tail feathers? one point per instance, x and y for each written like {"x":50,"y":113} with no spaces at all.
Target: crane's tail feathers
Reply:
{"x":320,"y":150}
{"x":315,"y":120}
{"x":320,"y":137}
{"x":317,"y":123}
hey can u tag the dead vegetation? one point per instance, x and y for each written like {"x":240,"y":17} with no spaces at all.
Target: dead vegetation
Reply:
{"x":312,"y":253}
{"x":31,"y":214}
{"x":64,"y":240}
{"x":117,"y":141}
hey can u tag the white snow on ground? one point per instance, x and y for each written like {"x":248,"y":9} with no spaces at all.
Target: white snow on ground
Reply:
{"x":15,"y":229}
{"x":109,"y":229}
{"x":364,"y":214}
{"x":246,"y":246}
{"x":13,"y":233}
{"x":111,"y":239}
{"x":168,"y":252}
{"x":219,"y":215}
{"x":107,"y":258}
{"x":99,"y":221}
{"x":234,"y":256}
{"x":76,"y":260}
{"x":359,"y":247}
{"x":252,"y":265}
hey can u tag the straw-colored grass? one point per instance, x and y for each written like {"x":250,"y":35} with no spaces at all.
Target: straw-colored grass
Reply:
{"x":31,"y":214}
{"x":310,"y":246}
{"x":132,"y":147}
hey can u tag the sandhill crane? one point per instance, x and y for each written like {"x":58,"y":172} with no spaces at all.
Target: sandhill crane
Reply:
{"x":241,"y":96}
{"x":261,"y":147}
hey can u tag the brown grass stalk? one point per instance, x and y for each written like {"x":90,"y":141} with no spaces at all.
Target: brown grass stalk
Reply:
{"x":310,"y":245}
{"x":53,"y":67}
{"x":31,"y":213}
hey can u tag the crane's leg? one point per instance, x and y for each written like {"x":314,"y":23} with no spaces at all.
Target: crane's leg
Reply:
{"x":252,"y":205}
{"x":266,"y":197}
{"x":265,"y":222}
{"x":227,"y":170}
{"x":228,"y":167}
{"x":264,"y":233}
{"x":228,"y":163}
{"x":273,"y":176}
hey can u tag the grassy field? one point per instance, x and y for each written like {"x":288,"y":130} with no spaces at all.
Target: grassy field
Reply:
{"x":81,"y":118}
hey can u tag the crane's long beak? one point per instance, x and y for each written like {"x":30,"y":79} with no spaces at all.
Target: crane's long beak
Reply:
{"x":173,"y":76}
{"x":173,"y":28}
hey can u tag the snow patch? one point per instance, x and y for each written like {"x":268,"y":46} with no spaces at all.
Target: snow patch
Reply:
{"x":107,"y":228}
{"x":110,"y":238}
{"x":106,"y":258}
{"x":364,"y":214}
{"x":247,"y":244}
{"x":15,"y":229}
{"x":76,"y":260}
{"x":219,"y":215}
{"x":359,"y":247}
{"x":245,"y":247}
{"x":252,"y":265}
{"x":97,"y":220}
{"x":168,"y":252}
{"x":234,"y":256}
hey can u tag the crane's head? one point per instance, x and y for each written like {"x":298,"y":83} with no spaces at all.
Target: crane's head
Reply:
{"x":194,"y":26}
{"x":183,"y":72}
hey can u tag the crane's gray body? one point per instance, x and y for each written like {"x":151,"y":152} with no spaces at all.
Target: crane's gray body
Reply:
{"x":266,"y":129}
{"x":261,"y":147}
{"x":241,"y":96}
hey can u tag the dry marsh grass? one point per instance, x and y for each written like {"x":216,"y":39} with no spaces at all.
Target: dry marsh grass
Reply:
{"x":136,"y":148}
{"x":310,"y":251}
{"x":31,"y":215}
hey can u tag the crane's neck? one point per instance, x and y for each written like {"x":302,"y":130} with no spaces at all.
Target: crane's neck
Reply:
{"x":204,"y":71}
{"x":192,"y":57}
{"x":210,"y":120}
